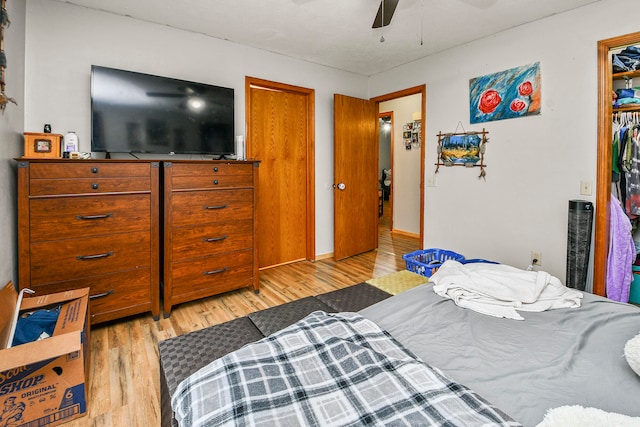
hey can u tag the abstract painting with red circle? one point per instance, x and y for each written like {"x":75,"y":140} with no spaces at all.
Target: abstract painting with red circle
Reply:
{"x":505,"y":95}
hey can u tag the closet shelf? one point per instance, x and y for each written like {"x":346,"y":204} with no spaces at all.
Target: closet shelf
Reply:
{"x":627,"y":108}
{"x":626,"y":75}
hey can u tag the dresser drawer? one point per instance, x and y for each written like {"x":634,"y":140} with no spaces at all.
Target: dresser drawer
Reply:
{"x":205,"y":207}
{"x":206,"y":182}
{"x":111,"y":295}
{"x":72,"y":217}
{"x":45,"y":187}
{"x":212,"y":275}
{"x":211,"y":169}
{"x":82,"y":169}
{"x":68,"y":259}
{"x":198,"y":241}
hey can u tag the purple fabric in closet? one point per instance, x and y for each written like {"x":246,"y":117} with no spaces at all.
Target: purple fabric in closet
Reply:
{"x":622,"y":254}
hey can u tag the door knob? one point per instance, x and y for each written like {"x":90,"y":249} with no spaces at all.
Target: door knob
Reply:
{"x":342,"y":186}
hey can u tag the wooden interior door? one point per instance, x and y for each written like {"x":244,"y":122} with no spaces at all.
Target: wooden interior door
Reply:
{"x":279,"y":135}
{"x":355,"y":176}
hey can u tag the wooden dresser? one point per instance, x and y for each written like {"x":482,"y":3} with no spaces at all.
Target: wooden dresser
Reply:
{"x":91,"y":223}
{"x":209,"y":229}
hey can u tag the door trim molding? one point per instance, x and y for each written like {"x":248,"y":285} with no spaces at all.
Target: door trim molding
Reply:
{"x":310,"y":179}
{"x":391,"y":148}
{"x":603,"y":165}
{"x":422,"y":90}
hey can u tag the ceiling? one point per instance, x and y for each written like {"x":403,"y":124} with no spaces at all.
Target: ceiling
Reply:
{"x":338,"y":33}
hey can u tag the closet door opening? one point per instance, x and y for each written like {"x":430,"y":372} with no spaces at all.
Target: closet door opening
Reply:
{"x":385,"y":162}
{"x":605,"y":153}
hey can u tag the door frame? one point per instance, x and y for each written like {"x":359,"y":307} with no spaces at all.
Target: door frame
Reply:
{"x":603,"y":165}
{"x":422,"y":90}
{"x":391,"y":147}
{"x":309,"y":94}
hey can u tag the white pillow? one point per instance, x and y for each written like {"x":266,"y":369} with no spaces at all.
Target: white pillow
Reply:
{"x":578,"y":416}
{"x":632,"y":353}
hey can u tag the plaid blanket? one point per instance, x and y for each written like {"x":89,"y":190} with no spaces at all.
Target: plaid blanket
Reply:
{"x":328,"y":370}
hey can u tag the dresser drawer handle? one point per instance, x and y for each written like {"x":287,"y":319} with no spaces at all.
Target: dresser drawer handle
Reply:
{"x":209,"y":273}
{"x":109,"y":215}
{"x":102,"y":295}
{"x":210,"y":208}
{"x":215,"y":182}
{"x":213,"y":239}
{"x":94,"y":170}
{"x":215,"y":169}
{"x":94,"y":185}
{"x":97,"y":256}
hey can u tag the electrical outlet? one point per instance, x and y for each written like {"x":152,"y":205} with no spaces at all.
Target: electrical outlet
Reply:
{"x":536,"y":258}
{"x":585,"y":188}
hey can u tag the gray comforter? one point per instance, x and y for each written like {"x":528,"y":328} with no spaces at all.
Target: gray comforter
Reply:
{"x":552,"y":358}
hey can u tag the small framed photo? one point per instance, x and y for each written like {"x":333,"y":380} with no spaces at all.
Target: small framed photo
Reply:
{"x":42,"y":145}
{"x":406,"y":134}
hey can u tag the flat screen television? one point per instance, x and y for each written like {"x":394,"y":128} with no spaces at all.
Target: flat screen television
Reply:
{"x":140,"y":113}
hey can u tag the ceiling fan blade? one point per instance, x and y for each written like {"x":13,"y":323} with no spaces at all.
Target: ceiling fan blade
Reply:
{"x":389,"y":9}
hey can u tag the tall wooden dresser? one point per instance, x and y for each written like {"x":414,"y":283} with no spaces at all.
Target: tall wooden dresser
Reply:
{"x":209,"y":229}
{"x":91,"y":223}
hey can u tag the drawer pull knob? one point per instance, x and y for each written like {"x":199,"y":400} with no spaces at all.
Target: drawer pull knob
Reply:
{"x":102,"y":295}
{"x":213,"y":239}
{"x":215,"y":169}
{"x":94,"y":186}
{"x":109,"y":215}
{"x":97,"y":256}
{"x":215,"y":182}
{"x":94,"y":170}
{"x":209,"y":273}
{"x":210,"y":208}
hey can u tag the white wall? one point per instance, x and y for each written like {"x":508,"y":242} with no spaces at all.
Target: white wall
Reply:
{"x":535,"y":164}
{"x":63,"y":41}
{"x":406,"y":166}
{"x":11,"y":146}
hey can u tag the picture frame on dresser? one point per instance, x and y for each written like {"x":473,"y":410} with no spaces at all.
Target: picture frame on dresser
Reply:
{"x":42,"y":145}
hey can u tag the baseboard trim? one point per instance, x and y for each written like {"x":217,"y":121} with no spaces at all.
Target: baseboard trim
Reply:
{"x":405,"y":233}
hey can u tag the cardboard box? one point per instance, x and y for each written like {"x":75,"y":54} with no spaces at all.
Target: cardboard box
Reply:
{"x":45,"y":382}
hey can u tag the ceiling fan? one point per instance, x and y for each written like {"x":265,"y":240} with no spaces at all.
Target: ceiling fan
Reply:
{"x":385,"y":13}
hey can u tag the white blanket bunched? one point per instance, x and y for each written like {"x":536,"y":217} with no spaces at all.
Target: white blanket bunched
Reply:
{"x":500,"y":290}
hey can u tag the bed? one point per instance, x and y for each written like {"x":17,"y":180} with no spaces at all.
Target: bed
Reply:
{"x":517,"y":370}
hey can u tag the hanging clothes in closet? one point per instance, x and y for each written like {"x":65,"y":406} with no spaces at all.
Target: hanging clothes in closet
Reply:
{"x":626,"y":162}
{"x":625,"y":203}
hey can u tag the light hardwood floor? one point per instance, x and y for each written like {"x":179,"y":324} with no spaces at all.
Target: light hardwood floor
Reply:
{"x":124,"y":385}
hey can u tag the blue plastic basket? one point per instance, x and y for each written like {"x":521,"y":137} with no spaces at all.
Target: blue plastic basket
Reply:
{"x":427,"y":261}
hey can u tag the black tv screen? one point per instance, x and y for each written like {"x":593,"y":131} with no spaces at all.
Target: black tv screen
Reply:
{"x":141,"y":113}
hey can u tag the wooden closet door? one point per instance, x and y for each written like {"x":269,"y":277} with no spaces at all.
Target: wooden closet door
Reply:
{"x":279,"y":135}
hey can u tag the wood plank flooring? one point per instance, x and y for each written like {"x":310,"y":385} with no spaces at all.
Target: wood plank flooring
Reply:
{"x":124,"y":385}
